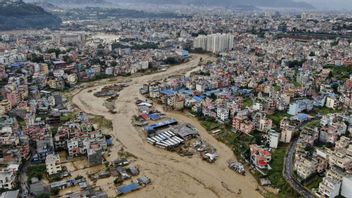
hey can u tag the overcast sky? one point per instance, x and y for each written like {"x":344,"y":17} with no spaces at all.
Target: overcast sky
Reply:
{"x":330,"y":4}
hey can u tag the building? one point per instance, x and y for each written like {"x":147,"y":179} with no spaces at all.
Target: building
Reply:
{"x":52,"y":163}
{"x":242,"y":124}
{"x":331,"y":102}
{"x":340,"y":159}
{"x":69,"y":38}
{"x":299,"y":106}
{"x":287,"y":134}
{"x":305,"y":167}
{"x":10,"y":194}
{"x":5,"y":106}
{"x":260,"y":157}
{"x":8,"y":177}
{"x":274,"y":138}
{"x":95,"y":155}
{"x":329,"y":187}
{"x":3,"y":74}
{"x":222,"y":114}
{"x":200,"y":42}
{"x":265,"y":125}
{"x":215,"y":43}
{"x":346,"y":189}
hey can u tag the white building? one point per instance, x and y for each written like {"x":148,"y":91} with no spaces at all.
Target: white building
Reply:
{"x":287,"y":134}
{"x":305,"y":167}
{"x":331,"y":102}
{"x":329,"y":187}
{"x":300,"y":106}
{"x":52,"y":163}
{"x":257,"y":106}
{"x":222,"y":114}
{"x":8,"y":177}
{"x":73,"y":38}
{"x":200,"y":42}
{"x":215,"y":43}
{"x":274,"y":139}
{"x":346,"y":188}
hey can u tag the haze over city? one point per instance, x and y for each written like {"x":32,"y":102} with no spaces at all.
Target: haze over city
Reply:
{"x":328,"y":4}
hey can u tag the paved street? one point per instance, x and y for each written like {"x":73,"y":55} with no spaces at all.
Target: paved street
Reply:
{"x":288,"y":173}
{"x":23,"y":180}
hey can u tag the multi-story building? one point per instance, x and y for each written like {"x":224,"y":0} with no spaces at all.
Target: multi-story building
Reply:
{"x":340,"y":159}
{"x":215,"y":43}
{"x":274,"y":139}
{"x":52,"y":163}
{"x":329,"y":187}
{"x":331,"y":102}
{"x":346,"y":189}
{"x":200,"y":42}
{"x":287,"y":134}
{"x":265,"y":125}
{"x":3,"y":74}
{"x":305,"y":167}
{"x":5,"y":106}
{"x":260,"y":157}
{"x":300,"y":106}
{"x":331,"y":184}
{"x":8,"y":177}
{"x":222,"y":114}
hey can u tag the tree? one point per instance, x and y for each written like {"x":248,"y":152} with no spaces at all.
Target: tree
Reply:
{"x":57,"y":51}
{"x":36,"y":171}
{"x":43,"y":195}
{"x":311,"y":54}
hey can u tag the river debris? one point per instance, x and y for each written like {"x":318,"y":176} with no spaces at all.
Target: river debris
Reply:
{"x":237,"y":167}
{"x":110,"y":90}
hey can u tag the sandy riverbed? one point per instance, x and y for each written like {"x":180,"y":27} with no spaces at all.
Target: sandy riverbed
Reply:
{"x":172,"y":175}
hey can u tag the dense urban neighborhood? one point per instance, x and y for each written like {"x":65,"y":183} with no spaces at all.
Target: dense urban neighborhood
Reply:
{"x":191,"y":104}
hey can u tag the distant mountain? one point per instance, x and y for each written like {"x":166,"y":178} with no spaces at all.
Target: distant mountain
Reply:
{"x":68,"y":3}
{"x":76,"y":1}
{"x":15,"y":14}
{"x":46,"y":5}
{"x":226,"y":3}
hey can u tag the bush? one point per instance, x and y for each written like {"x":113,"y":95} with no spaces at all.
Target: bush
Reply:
{"x":36,"y":171}
{"x":118,"y":181}
{"x":44,"y":195}
{"x":55,"y":191}
{"x":68,"y":117}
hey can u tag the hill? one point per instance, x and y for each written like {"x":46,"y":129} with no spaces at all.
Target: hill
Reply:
{"x":15,"y":14}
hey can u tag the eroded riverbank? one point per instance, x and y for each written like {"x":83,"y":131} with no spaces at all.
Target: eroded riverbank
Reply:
{"x":171,"y":174}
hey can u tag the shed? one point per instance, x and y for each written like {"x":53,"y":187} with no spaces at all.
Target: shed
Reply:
{"x":124,"y":189}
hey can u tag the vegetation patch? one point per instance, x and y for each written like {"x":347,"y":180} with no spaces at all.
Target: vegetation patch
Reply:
{"x":36,"y":171}
{"x":275,"y":174}
{"x":102,"y":122}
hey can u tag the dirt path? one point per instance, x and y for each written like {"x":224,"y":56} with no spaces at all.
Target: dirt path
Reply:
{"x":172,"y":175}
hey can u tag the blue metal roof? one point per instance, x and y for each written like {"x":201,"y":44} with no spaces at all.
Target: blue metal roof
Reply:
{"x":152,"y":127}
{"x":186,"y":92}
{"x":168,"y":92}
{"x":154,"y":116}
{"x":19,"y":64}
{"x":198,"y":98}
{"x":128,"y":188}
{"x":302,"y":116}
{"x":208,"y":93}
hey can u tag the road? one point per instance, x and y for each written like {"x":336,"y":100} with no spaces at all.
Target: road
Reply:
{"x":23,"y":180}
{"x":171,"y":174}
{"x":288,"y":173}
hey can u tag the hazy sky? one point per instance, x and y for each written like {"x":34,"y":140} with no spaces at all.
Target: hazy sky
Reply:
{"x":330,"y":4}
